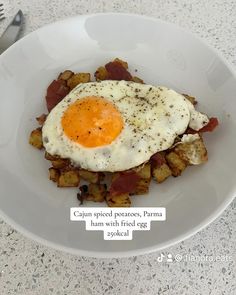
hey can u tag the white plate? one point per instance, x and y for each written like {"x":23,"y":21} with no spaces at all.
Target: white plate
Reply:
{"x":164,"y":55}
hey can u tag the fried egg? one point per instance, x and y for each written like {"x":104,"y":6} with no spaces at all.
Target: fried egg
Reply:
{"x":117,"y":125}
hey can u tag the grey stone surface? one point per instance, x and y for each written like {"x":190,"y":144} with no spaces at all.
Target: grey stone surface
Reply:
{"x":29,"y":268}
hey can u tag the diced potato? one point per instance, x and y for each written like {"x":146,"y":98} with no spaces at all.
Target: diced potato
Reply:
{"x":54,"y":174}
{"x":101,"y":74}
{"x":137,"y":80}
{"x":35,"y":138}
{"x":144,"y":171}
{"x":50,"y":157}
{"x":57,"y":162}
{"x":122,"y":62}
{"x":91,"y":177}
{"x":60,"y":163}
{"x":96,"y":192}
{"x":77,"y":79}
{"x":194,"y":153}
{"x":118,"y":201}
{"x":66,"y":75}
{"x":142,"y":186}
{"x":176,"y":164}
{"x":190,"y":98}
{"x":41,"y":119}
{"x":161,"y":173}
{"x":68,"y":178}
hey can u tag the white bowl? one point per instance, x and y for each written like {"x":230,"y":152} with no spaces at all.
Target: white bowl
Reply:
{"x":163,"y":54}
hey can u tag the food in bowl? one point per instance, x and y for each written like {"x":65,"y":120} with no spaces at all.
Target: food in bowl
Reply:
{"x":118,"y":133}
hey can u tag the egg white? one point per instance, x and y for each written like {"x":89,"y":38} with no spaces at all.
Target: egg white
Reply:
{"x":153,"y":117}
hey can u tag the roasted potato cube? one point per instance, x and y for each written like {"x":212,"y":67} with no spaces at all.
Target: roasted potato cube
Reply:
{"x":41,"y":119}
{"x":159,"y":167}
{"x":142,"y":186}
{"x":96,"y":192}
{"x":66,"y":75}
{"x":190,"y":98}
{"x":54,"y":174}
{"x":122,"y":62}
{"x":77,"y":79}
{"x":60,"y":163}
{"x":122,"y":200}
{"x":160,"y":173}
{"x":137,"y":80}
{"x":57,"y":162}
{"x":91,"y":177}
{"x":35,"y":138}
{"x":176,"y":164}
{"x":144,"y":171}
{"x":194,"y":153}
{"x":68,"y":178}
{"x":101,"y":74}
{"x":50,"y":157}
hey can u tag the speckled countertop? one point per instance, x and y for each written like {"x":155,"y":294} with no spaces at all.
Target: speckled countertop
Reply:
{"x":29,"y":268}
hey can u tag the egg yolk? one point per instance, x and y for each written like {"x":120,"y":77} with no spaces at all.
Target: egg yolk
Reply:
{"x":92,"y":121}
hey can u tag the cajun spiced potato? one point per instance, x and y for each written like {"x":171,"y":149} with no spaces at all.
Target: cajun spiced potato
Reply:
{"x":176,"y":164}
{"x":101,"y":74}
{"x":122,"y":200}
{"x":76,"y":79}
{"x":161,"y":173}
{"x":35,"y":138}
{"x":137,"y":80}
{"x":159,"y":168}
{"x":96,"y":192}
{"x":41,"y":119}
{"x":66,"y":75}
{"x":193,"y":153}
{"x":54,"y":174}
{"x":142,"y":187}
{"x":68,"y":178}
{"x":56,"y":161}
{"x":91,"y":177}
{"x":143,"y":183}
{"x":190,"y":98}
{"x":60,"y":163}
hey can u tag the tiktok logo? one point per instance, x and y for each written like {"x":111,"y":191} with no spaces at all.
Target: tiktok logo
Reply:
{"x":161,"y":257}
{"x":167,"y":258}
